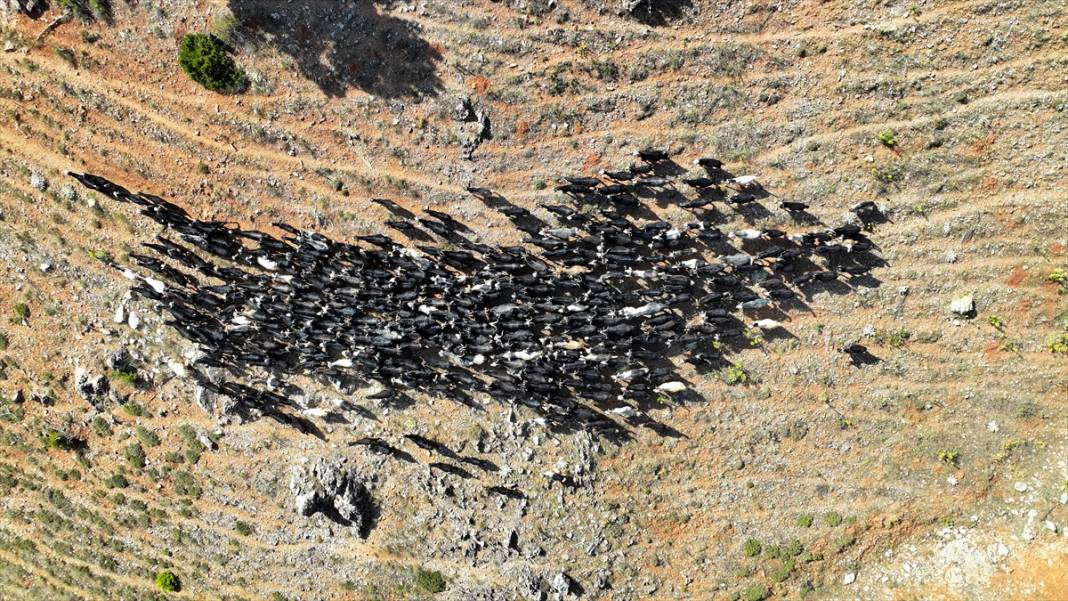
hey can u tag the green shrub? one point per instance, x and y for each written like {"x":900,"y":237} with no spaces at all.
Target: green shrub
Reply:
{"x":117,"y":481}
{"x":431,"y":582}
{"x":736,"y":374}
{"x":134,"y":409}
{"x":135,"y":455}
{"x":167,"y":582}
{"x":1060,"y":277}
{"x":949,"y":456}
{"x":127,"y":377}
{"x":54,"y":439}
{"x":147,"y":438}
{"x":4,"y":342}
{"x":755,"y":592}
{"x":22,"y":311}
{"x":832,"y":519}
{"x":804,"y":520}
{"x":996,"y":322}
{"x":205,"y":61}
{"x":892,"y":338}
{"x":752,"y":547}
{"x":782,"y":571}
{"x":244,"y":528}
{"x":101,"y":427}
{"x":888,"y":138}
{"x":1058,"y":346}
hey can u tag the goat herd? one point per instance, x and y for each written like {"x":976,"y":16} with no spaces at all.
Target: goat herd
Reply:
{"x":579,"y":323}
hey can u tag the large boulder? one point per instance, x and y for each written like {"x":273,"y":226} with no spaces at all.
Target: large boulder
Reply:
{"x":327,"y":487}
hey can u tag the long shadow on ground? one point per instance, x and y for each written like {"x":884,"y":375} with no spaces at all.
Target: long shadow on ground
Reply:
{"x":343,"y":45}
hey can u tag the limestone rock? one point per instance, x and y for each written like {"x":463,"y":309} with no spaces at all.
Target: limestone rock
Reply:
{"x":338,"y":493}
{"x":963,"y":306}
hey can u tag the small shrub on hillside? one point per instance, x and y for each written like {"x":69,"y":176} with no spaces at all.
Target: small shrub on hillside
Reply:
{"x":244,"y":528}
{"x":167,"y":582}
{"x":1059,"y":345}
{"x":431,"y":582}
{"x":1060,"y":277}
{"x":755,"y":592}
{"x":135,"y":455}
{"x":4,"y":342}
{"x":832,"y":519}
{"x":133,"y":409}
{"x":22,"y":311}
{"x":805,"y":520}
{"x":752,"y":547}
{"x":127,"y":377}
{"x":101,"y":427}
{"x":55,"y":439}
{"x":892,"y":338}
{"x":888,"y":138}
{"x":736,"y":375}
{"x":996,"y":322}
{"x":147,"y":438}
{"x":205,"y":61}
{"x":949,"y":456}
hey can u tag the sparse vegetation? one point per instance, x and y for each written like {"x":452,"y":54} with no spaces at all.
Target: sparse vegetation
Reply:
{"x":996,"y":323}
{"x":205,"y":61}
{"x":1060,"y":277}
{"x":948,"y":456}
{"x":892,"y":338}
{"x":888,"y":138}
{"x":833,"y":519}
{"x":54,"y":439}
{"x":243,"y":528}
{"x":805,"y":520}
{"x":126,"y":377}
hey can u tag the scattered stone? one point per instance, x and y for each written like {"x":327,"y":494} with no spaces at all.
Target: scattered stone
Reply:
{"x":562,"y":584}
{"x":992,"y":427}
{"x":1020,"y":486}
{"x":849,"y":578}
{"x":134,"y":321}
{"x":951,"y":256}
{"x":903,"y":291}
{"x":963,"y":306}
{"x":45,"y":267}
{"x":38,"y":181}
{"x":94,"y":389}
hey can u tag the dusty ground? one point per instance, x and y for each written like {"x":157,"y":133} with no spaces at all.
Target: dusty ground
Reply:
{"x":797,"y":92}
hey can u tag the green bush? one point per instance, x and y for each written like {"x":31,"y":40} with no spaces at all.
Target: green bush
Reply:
{"x":833,"y":518}
{"x":135,"y":455}
{"x":888,"y":138}
{"x":168,"y":582}
{"x":805,"y":520}
{"x":134,"y":409}
{"x":205,"y":61}
{"x":431,"y":582}
{"x":752,"y":547}
{"x":243,"y":528}
{"x":4,"y":342}
{"x":101,"y":427}
{"x":756,"y":592}
{"x":127,"y":377}
{"x":55,"y":439}
{"x":147,"y":438}
{"x":22,"y":311}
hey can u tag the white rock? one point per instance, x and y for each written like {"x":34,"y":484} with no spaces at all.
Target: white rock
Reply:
{"x":951,"y":256}
{"x":1020,"y":486}
{"x":1050,"y":525}
{"x":849,"y":578}
{"x":964,"y":306}
{"x":952,"y":480}
{"x":45,"y":267}
{"x":992,"y":426}
{"x":134,"y":321}
{"x":177,"y":368}
{"x":120,"y":314}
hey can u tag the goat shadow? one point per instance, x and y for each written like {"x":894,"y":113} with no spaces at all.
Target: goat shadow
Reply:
{"x":343,"y":45}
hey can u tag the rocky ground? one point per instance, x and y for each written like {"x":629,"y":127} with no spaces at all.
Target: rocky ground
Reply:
{"x":941,"y":472}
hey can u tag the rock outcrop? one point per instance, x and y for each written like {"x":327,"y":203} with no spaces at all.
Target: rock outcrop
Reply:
{"x":327,"y":487}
